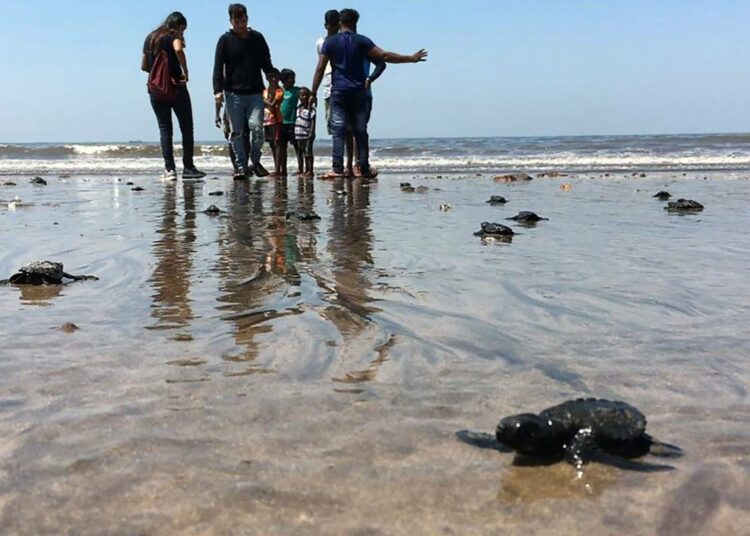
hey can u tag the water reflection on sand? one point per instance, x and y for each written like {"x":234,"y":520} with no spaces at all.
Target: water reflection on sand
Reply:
{"x":254,"y":371}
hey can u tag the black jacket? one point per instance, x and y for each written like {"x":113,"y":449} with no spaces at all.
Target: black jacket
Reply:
{"x":239,"y":61}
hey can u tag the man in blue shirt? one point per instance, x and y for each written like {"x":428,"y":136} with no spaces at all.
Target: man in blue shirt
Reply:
{"x":347,"y":52}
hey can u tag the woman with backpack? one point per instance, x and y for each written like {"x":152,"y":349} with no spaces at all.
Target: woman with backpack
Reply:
{"x":164,"y":60}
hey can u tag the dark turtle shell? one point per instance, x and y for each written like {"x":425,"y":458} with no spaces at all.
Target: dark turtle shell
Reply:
{"x":212,"y":210}
{"x":45,"y":268}
{"x":497,"y":200}
{"x":663,"y":195}
{"x":494,"y":229}
{"x":608,"y":419}
{"x":684,"y":205}
{"x":303,"y":215}
{"x":526,"y":217}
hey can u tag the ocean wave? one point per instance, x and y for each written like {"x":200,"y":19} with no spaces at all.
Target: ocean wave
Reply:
{"x":580,"y":163}
{"x":136,"y":150}
{"x":426,"y":155}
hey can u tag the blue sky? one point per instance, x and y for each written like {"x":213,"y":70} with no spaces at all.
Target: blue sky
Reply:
{"x":496,"y":68}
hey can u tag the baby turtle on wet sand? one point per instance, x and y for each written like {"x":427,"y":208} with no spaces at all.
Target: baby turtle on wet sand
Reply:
{"x":38,"y":181}
{"x":212,"y":210}
{"x":577,"y":429}
{"x":494,"y":230}
{"x":303,"y":215}
{"x":662,"y":195}
{"x":497,"y":200}
{"x":526,"y":217}
{"x":684,"y":205}
{"x":43,"y":273}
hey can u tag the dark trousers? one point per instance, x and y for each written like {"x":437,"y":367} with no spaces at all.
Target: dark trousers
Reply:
{"x":184,"y":112}
{"x":351,"y":106}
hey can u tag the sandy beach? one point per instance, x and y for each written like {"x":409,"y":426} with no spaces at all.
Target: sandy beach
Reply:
{"x":250,"y":373}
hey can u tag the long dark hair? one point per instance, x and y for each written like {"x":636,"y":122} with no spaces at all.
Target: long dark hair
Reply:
{"x":170,"y":24}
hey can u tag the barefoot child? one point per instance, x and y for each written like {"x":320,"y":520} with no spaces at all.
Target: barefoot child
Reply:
{"x":304,"y":130}
{"x":289,"y":116}
{"x":272,"y":120}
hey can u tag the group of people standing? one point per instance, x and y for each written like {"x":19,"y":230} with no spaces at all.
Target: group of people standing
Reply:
{"x":254,"y":113}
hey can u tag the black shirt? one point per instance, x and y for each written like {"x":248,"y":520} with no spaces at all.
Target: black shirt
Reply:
{"x":165,"y":43}
{"x":239,"y":61}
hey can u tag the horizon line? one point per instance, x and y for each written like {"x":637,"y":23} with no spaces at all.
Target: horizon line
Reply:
{"x":221,"y":140}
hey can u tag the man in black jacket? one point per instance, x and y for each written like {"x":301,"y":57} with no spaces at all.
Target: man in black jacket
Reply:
{"x":241,"y":54}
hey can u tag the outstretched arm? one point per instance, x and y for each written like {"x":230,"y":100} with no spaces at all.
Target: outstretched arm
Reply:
{"x":378,"y":54}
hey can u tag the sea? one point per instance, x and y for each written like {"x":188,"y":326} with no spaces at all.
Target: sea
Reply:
{"x":684,"y":152}
{"x":307,"y":359}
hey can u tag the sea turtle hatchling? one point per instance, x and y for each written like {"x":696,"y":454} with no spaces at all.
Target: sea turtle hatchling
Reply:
{"x":662,"y":195}
{"x":494,"y":230}
{"x":526,"y":216}
{"x":302,"y":215}
{"x":43,"y":273}
{"x":684,"y":205}
{"x":497,"y":200}
{"x":213,"y":210}
{"x":577,"y":429}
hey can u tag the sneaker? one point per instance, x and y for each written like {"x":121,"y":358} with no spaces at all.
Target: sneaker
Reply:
{"x":239,"y":175}
{"x":192,"y":173}
{"x":169,"y":175}
{"x":259,"y":170}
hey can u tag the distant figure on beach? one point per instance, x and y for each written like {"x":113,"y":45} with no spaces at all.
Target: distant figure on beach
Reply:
{"x":289,"y":117}
{"x":347,"y":51}
{"x":350,"y":142}
{"x":304,"y":130}
{"x":164,"y":59}
{"x":241,"y":54}
{"x":331,"y":24}
{"x":272,"y":120}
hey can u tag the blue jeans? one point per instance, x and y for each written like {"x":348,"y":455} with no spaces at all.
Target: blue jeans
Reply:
{"x":245,"y":113}
{"x":352,"y":106}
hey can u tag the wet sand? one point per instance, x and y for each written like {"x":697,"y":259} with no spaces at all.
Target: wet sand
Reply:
{"x":249,"y":373}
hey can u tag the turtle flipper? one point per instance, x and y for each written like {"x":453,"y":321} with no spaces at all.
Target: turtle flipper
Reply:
{"x":581,"y":448}
{"x":665,"y":450}
{"x":80,"y":277}
{"x":625,"y":464}
{"x":481,"y":440}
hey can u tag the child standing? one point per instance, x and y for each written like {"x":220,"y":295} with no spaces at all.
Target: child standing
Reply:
{"x":272,"y":120}
{"x":289,"y":117}
{"x":304,"y":130}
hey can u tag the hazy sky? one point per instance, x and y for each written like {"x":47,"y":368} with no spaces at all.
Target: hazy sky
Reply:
{"x":70,"y":70}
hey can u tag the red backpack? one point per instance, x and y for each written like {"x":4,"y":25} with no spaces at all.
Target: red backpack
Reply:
{"x":160,"y":83}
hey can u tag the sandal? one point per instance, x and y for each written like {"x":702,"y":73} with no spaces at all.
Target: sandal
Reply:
{"x":330,"y":176}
